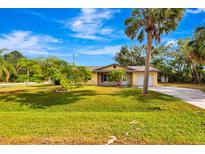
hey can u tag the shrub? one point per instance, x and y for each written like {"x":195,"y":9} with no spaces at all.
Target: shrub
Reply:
{"x":117,"y":76}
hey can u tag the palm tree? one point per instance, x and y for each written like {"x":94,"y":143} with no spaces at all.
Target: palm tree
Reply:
{"x":196,"y":49}
{"x":154,"y":23}
{"x":197,"y":46}
{"x":6,"y":69}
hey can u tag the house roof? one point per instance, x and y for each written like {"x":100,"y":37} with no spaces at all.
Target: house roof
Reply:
{"x":142,"y":68}
{"x":111,"y":65}
{"x":92,"y":67}
{"x":128,"y":68}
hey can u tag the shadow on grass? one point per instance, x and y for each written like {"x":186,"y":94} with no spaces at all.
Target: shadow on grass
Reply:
{"x":148,"y":102}
{"x":44,"y":99}
{"x":145,"y":98}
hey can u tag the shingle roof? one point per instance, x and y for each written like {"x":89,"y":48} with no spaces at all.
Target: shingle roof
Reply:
{"x":132,"y":69}
{"x":92,"y":67}
{"x":142,"y":68}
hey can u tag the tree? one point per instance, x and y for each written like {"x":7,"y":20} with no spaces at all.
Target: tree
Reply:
{"x":197,"y":46}
{"x":6,"y":69}
{"x":160,"y":60}
{"x":66,"y":82}
{"x":117,"y":76}
{"x":175,"y":63}
{"x":69,"y":76}
{"x":52,"y":67}
{"x":131,"y":57}
{"x":29,"y":70}
{"x":196,"y":50}
{"x":80,"y":75}
{"x":13,"y":57}
{"x":180,"y":62}
{"x":73,"y":76}
{"x":190,"y":65}
{"x":154,"y":23}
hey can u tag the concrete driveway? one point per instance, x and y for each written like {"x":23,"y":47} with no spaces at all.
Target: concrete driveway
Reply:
{"x":192,"y":96}
{"x":23,"y":84}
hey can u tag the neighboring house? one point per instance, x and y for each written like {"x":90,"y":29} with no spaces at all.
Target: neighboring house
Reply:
{"x":134,"y":75}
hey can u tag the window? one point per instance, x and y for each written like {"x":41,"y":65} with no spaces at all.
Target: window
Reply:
{"x":104,"y":77}
{"x":114,"y":66}
{"x":124,"y":77}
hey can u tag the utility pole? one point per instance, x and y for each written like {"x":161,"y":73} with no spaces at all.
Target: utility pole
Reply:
{"x":74,"y":55}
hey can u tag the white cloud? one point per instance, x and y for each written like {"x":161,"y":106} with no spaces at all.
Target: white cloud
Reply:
{"x":172,"y":43}
{"x":86,"y":36}
{"x":35,"y":14}
{"x":106,"y":31}
{"x":47,"y":38}
{"x":28,"y":42}
{"x":196,"y":11}
{"x":107,"y":50}
{"x":90,"y":23}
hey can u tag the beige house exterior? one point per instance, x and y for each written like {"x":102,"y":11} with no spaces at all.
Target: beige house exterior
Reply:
{"x":134,"y":75}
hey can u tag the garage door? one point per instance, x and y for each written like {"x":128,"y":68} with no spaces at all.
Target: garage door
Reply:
{"x":140,"y":79}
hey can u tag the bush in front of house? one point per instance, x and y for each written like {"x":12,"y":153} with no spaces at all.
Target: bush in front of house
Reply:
{"x":116,"y":76}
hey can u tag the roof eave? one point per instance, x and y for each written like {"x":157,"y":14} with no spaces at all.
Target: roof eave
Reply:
{"x":128,"y":71}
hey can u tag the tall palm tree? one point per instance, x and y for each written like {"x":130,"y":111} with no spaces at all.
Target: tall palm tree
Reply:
{"x":6,"y":69}
{"x":152,"y":22}
{"x":197,"y":45}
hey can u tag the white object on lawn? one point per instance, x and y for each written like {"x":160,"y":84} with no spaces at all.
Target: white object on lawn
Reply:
{"x":113,"y":138}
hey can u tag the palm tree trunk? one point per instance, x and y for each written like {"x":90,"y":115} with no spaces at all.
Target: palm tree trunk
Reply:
{"x":147,"y":62}
{"x":7,"y":74}
{"x":197,"y":77}
{"x":196,"y":73}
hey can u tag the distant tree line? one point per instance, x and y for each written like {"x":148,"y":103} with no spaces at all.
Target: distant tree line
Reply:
{"x":15,"y":67}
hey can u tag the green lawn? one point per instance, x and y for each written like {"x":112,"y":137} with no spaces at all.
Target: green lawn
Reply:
{"x":90,"y":115}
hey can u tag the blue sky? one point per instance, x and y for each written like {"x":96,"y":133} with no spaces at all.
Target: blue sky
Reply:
{"x":94,"y":35}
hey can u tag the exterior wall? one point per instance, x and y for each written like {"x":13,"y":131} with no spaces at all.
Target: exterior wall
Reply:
{"x":154,"y":78}
{"x":94,"y":79}
{"x":99,"y":78}
{"x":135,"y":76}
{"x":129,"y":79}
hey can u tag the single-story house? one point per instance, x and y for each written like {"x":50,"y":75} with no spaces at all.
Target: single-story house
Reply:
{"x":134,"y":75}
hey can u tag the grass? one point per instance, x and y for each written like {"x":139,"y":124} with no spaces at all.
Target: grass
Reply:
{"x":200,"y":86}
{"x":90,"y":115}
